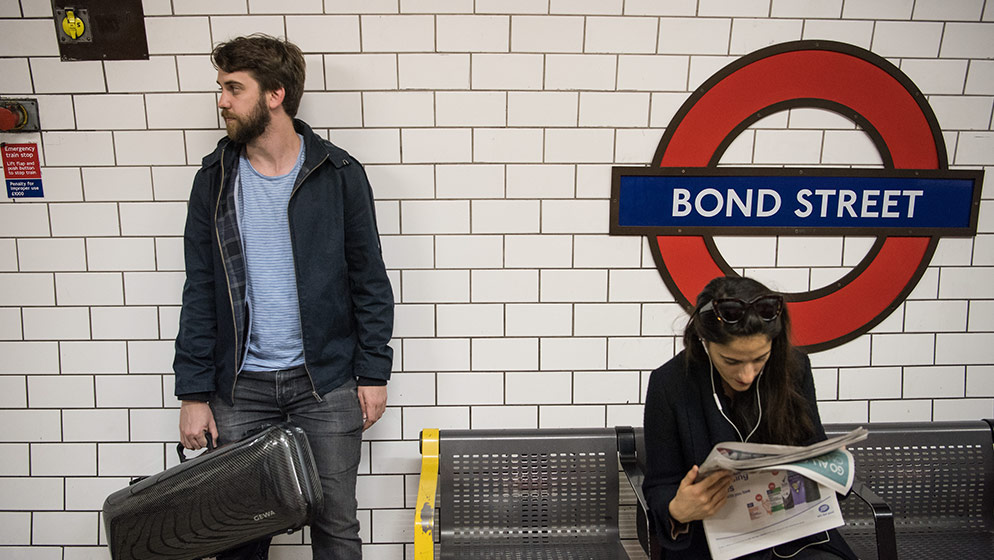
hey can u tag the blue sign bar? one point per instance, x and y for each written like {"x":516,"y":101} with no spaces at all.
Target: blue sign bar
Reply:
{"x":674,"y":201}
{"x":24,"y":188}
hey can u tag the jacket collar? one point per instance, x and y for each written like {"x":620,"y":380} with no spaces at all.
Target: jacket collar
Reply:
{"x":316,"y":149}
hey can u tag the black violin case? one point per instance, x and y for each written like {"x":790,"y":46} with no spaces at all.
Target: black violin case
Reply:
{"x":261,"y":486}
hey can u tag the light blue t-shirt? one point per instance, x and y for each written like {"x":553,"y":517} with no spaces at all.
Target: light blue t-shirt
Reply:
{"x":274,"y":338}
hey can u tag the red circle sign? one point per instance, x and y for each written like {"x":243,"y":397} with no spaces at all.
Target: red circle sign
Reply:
{"x":843,"y":78}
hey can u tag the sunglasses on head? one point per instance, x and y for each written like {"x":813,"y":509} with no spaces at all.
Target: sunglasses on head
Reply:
{"x":732,"y":310}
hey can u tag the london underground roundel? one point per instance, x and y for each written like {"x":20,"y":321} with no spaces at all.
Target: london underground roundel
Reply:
{"x":684,"y":199}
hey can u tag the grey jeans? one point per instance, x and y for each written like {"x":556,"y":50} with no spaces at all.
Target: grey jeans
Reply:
{"x":334,"y":429}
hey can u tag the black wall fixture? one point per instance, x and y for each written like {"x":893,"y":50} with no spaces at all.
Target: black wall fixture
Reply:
{"x":100,"y":29}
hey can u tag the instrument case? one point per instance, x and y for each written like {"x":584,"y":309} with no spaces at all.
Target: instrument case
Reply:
{"x":263,"y":485}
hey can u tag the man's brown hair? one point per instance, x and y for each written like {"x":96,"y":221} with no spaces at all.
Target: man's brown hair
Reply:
{"x":274,"y":63}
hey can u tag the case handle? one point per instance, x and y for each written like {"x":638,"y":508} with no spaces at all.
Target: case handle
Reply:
{"x":180,"y":448}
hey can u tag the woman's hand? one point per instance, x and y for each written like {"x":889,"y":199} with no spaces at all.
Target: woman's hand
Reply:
{"x":699,"y":498}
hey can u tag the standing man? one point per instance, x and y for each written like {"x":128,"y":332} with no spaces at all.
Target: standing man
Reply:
{"x":287,"y":309}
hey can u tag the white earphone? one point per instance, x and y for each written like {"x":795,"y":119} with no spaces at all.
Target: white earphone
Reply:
{"x":759,"y":403}
{"x":714,"y":393}
{"x":717,"y":400}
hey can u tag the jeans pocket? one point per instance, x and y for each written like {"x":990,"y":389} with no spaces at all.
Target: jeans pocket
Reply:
{"x":345,"y":400}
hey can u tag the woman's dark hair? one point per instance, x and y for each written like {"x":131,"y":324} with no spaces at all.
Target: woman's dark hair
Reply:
{"x":786,"y":418}
{"x":274,"y":63}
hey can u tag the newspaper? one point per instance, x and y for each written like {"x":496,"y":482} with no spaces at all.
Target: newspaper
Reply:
{"x":780,"y":493}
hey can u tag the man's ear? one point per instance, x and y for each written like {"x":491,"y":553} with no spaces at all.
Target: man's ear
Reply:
{"x":275,"y":98}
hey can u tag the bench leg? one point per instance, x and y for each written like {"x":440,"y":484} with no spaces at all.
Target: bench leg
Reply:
{"x":424,"y":515}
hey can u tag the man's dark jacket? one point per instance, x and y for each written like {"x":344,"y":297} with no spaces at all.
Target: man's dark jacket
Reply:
{"x":345,"y":299}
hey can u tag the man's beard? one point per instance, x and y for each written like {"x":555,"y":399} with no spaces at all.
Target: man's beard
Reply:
{"x":251,"y":127}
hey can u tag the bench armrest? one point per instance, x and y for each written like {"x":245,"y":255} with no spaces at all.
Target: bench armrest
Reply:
{"x":883,"y":521}
{"x":424,"y":515}
{"x":644,"y":525}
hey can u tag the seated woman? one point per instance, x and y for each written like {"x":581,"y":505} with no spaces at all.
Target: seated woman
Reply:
{"x":737,"y":379}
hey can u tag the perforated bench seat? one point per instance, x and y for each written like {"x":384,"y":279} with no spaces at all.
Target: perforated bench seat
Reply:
{"x":535,"y":551}
{"x":937,"y":478}
{"x":519,"y":495}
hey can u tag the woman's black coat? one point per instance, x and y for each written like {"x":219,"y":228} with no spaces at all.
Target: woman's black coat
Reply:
{"x":682,"y":424}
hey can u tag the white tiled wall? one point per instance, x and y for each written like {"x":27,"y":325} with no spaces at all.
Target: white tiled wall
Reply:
{"x":488,"y":129}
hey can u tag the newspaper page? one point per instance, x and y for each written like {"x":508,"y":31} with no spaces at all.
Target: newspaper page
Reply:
{"x":735,"y":456}
{"x":780,"y":493}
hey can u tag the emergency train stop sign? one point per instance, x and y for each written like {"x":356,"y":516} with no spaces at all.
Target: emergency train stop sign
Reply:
{"x":684,"y":199}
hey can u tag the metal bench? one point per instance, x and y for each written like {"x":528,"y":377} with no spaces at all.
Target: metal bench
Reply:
{"x":938,"y":480}
{"x":925,"y":489}
{"x":519,"y":494}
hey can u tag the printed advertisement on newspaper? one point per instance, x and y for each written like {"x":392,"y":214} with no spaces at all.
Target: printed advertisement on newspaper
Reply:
{"x":780,"y":493}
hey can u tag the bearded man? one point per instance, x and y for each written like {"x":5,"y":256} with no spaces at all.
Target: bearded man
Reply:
{"x":287,"y":309}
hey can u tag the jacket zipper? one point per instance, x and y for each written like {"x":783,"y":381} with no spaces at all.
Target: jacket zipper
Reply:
{"x":300,"y":321}
{"x":227,"y":279}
